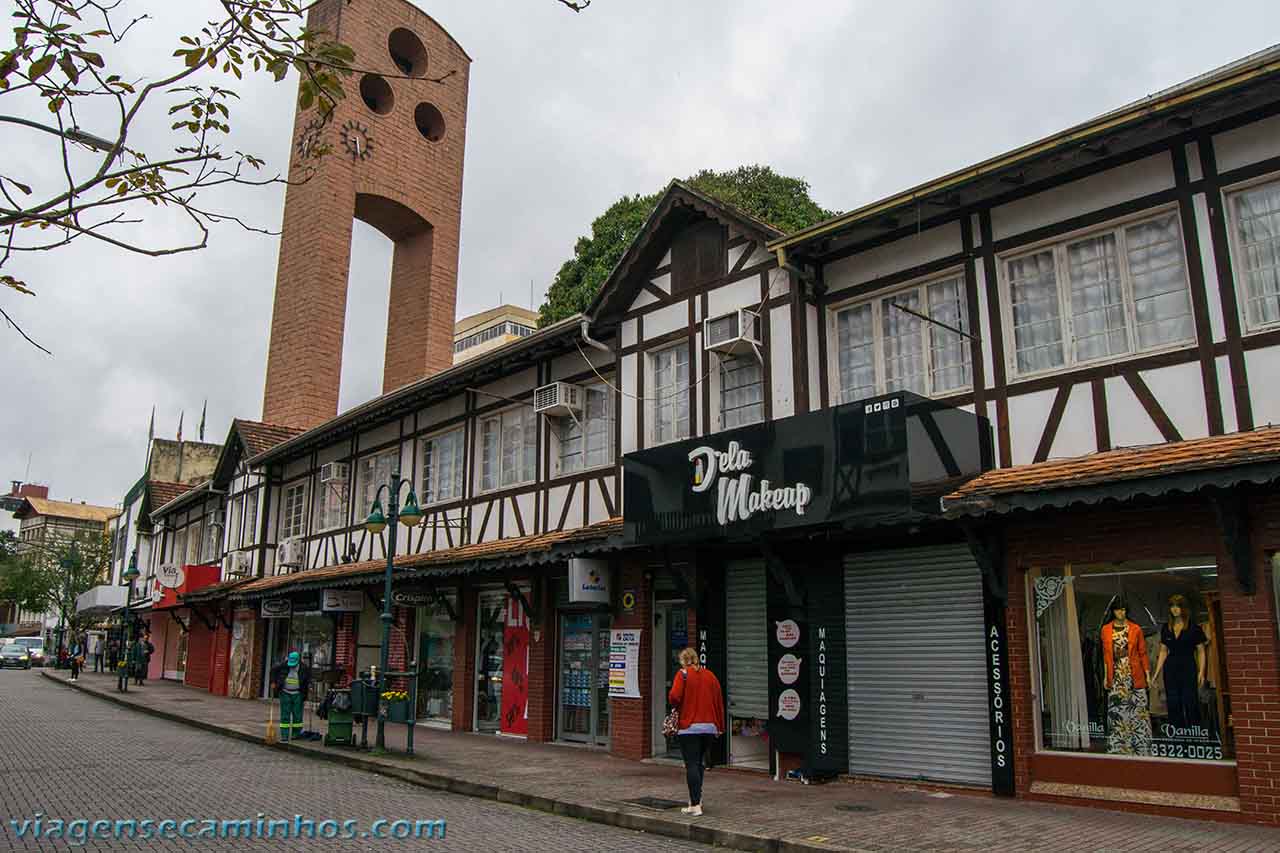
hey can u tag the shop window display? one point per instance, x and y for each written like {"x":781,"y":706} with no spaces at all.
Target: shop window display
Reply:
{"x":436,"y":632}
{"x":1130,"y":660}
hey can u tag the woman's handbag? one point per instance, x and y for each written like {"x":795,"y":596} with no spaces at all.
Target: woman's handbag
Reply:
{"x":671,"y":725}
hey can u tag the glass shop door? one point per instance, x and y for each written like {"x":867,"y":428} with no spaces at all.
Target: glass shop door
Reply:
{"x":584,"y":678}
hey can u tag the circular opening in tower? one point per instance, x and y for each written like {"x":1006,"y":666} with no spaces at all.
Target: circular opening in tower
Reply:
{"x":376,"y":94}
{"x":430,"y":122}
{"x":407,"y":52}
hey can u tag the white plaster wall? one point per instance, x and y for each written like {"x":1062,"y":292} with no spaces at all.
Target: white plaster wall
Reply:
{"x":1263,"y":367}
{"x":441,"y":411}
{"x":596,"y":509}
{"x":811,"y":321}
{"x":1212,"y":287}
{"x":739,"y":294}
{"x":984,"y":324}
{"x":1194,"y":172}
{"x":666,"y":319}
{"x":294,"y":468}
{"x":1130,"y":424}
{"x":1248,"y":144}
{"x":643,"y":298}
{"x":628,"y":413}
{"x":662,"y":282}
{"x":1028,"y":414}
{"x":575,"y":362}
{"x":1076,"y":435}
{"x":526,"y":502}
{"x":1229,"y":421}
{"x":555,"y":505}
{"x":780,"y":361}
{"x":759,"y":256}
{"x":518,"y":387}
{"x":628,"y":333}
{"x":698,"y":374}
{"x":509,"y":528}
{"x":1180,"y":392}
{"x":929,"y":245}
{"x":340,"y":450}
{"x":375,"y":436}
{"x":1113,"y":186}
{"x":666,"y":259}
{"x":735,"y":253}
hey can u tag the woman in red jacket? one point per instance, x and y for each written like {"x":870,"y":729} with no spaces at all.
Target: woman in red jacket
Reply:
{"x":697,"y":696}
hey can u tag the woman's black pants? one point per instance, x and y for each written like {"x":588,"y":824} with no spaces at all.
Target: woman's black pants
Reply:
{"x":694,"y":748}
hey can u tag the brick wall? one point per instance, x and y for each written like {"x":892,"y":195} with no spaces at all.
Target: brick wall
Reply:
{"x":542,"y":667}
{"x":1168,"y":530}
{"x":464,"y":661}
{"x":631,"y":720}
{"x":401,"y":636}
{"x":409,"y":187}
{"x":345,"y":654}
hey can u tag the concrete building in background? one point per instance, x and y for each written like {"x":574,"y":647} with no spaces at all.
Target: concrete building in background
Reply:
{"x":488,"y":330}
{"x":44,"y":522}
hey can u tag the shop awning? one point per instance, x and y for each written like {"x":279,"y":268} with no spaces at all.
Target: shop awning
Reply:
{"x":1219,"y":462}
{"x":523,"y":551}
{"x":100,"y":600}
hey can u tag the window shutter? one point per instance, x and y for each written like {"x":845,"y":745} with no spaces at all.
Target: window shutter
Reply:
{"x":710,"y":251}
{"x":697,"y":256}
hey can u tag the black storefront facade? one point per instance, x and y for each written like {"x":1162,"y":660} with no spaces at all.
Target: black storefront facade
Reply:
{"x":852,"y":627}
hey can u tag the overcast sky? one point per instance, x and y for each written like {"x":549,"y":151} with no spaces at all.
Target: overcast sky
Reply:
{"x":567,"y":113}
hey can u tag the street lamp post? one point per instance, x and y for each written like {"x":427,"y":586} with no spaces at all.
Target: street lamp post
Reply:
{"x":409,"y":516}
{"x":130,"y":575}
{"x":67,"y":563}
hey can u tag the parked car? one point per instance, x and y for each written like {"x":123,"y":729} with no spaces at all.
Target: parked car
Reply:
{"x":14,"y":655}
{"x":34,"y":647}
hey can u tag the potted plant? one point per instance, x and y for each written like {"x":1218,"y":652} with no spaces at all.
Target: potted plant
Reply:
{"x":397,"y":702}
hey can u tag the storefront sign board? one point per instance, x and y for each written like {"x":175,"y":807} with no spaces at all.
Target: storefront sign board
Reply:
{"x":171,"y":576}
{"x":588,"y":581}
{"x":624,"y":663}
{"x":276,"y":608}
{"x":341,"y":601}
{"x":999,"y":711}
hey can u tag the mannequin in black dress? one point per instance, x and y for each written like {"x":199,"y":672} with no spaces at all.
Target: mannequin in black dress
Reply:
{"x":1182,"y":659}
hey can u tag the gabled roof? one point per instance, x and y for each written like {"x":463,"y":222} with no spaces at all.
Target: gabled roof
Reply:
{"x":199,"y":491}
{"x":679,"y":206}
{"x":245,"y":440}
{"x":65,"y":509}
{"x":1219,"y":461}
{"x":159,"y":493}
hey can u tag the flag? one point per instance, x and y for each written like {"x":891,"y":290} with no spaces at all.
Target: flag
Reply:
{"x":151,"y":430}
{"x":202,"y":414}
{"x":180,"y":414}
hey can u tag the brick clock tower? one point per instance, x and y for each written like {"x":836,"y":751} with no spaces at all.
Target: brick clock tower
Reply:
{"x":394,"y":161}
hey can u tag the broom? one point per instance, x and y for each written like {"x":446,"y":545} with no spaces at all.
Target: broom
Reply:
{"x":270,"y":739}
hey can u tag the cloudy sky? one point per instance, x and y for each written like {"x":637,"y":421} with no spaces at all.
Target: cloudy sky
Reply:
{"x":567,"y":113}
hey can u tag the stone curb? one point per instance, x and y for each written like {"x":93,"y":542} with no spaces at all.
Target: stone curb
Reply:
{"x":652,"y":824}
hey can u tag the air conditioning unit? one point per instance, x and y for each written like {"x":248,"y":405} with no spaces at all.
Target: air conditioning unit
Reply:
{"x":332,"y":472}
{"x":289,"y":552}
{"x":241,"y":563}
{"x":732,"y":333}
{"x":557,"y":398}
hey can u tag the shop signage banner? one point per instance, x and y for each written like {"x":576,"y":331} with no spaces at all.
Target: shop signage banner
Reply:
{"x":624,"y":663}
{"x":341,"y":601}
{"x":412,"y":596}
{"x":999,"y":713}
{"x":170,"y":576}
{"x":588,"y":581}
{"x":854,"y":464}
{"x":515,"y":670}
{"x":276,"y":608}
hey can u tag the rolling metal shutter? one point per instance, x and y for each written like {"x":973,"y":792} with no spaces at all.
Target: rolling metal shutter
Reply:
{"x":747,"y":631}
{"x":917,"y":687}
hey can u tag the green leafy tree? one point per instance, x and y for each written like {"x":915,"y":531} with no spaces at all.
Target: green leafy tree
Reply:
{"x":62,"y":81}
{"x":48,"y":576}
{"x":781,"y":201}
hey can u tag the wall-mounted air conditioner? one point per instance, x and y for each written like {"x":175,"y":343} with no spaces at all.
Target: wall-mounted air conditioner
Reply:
{"x":736,"y":332}
{"x":289,"y":552}
{"x":557,"y":398}
{"x":241,"y":563}
{"x":333,"y":472}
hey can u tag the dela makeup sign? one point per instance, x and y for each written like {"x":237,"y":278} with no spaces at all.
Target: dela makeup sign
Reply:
{"x":738,"y":497}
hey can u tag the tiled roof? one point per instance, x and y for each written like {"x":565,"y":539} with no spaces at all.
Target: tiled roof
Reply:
{"x":523,"y":546}
{"x":67,"y":509}
{"x":1128,"y":464}
{"x":259,"y":437}
{"x":163,"y":491}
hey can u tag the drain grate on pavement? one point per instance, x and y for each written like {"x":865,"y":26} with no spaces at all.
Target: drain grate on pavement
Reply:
{"x":655,"y":803}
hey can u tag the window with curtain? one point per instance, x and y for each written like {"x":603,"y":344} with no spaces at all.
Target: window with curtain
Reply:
{"x":194,"y":537}
{"x":334,"y":495}
{"x":669,"y":398}
{"x":293,"y":511}
{"x":508,"y":448}
{"x":250,"y":534}
{"x":588,"y":441}
{"x":442,"y":467}
{"x":1255,"y":215}
{"x":212,"y":540}
{"x":883,"y":348}
{"x":178,"y":553}
{"x":1116,"y":292}
{"x":374,"y":471}
{"x":741,"y":391}
{"x":234,"y":537}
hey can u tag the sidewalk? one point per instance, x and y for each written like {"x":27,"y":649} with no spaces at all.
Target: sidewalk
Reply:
{"x":744,"y":810}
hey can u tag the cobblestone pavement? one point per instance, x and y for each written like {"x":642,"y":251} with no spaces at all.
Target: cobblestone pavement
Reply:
{"x":69,"y":755}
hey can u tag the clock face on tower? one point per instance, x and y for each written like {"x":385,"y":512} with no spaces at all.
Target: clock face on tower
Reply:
{"x":356,"y":140}
{"x":311,"y":139}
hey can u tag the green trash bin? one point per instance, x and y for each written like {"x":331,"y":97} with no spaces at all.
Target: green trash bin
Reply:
{"x":340,"y":717}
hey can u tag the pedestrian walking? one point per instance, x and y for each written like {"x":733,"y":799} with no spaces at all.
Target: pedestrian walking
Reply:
{"x":77,"y":657}
{"x":113,"y":653}
{"x":95,"y":649}
{"x":142,"y":651}
{"x":290,"y":680}
{"x":699,"y":704}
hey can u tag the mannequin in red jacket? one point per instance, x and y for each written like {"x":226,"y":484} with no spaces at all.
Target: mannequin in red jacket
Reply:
{"x":696,"y":694}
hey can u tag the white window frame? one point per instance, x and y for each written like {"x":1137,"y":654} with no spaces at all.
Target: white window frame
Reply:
{"x":342,"y":494}
{"x":209,"y":547}
{"x":658,"y":398}
{"x":250,"y":528}
{"x":523,"y":478}
{"x":876,"y":301}
{"x":564,"y":426}
{"x":717,"y":388}
{"x":1237,"y":253}
{"x":372,"y":471}
{"x":458,"y":487}
{"x":1057,"y":245}
{"x":294,"y":510}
